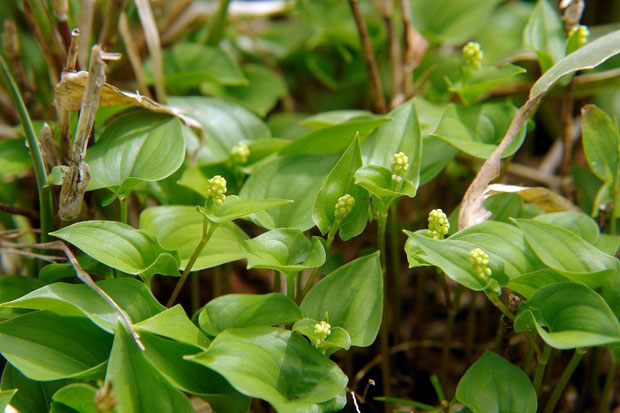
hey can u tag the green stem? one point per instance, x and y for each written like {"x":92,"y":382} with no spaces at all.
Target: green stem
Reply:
{"x":217,"y":23}
{"x":471,"y":323}
{"x":541,"y":365}
{"x":195,"y":290}
{"x":384,"y":332}
{"x":529,"y":356}
{"x":208,"y":228}
{"x":397,"y":281}
{"x":564,"y":378}
{"x":277,"y":282}
{"x":45,"y":196}
{"x":290,"y":287}
{"x":452,"y":312}
{"x":330,"y":239}
{"x":124,"y":202}
{"x":609,"y":384}
{"x":499,"y":304}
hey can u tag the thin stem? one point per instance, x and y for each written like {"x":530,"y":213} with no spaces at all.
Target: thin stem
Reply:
{"x":290,"y":287}
{"x":208,"y":228}
{"x":195,"y":291}
{"x":216,"y":28}
{"x":541,"y":365}
{"x":609,"y":384}
{"x":331,"y":235}
{"x":45,"y":195}
{"x":277,"y":287}
{"x":499,"y":304}
{"x":471,"y":323}
{"x":384,"y":332}
{"x":529,"y":356}
{"x":564,"y":378}
{"x":369,"y":58}
{"x":123,"y":206}
{"x":452,"y":312}
{"x":397,"y":281}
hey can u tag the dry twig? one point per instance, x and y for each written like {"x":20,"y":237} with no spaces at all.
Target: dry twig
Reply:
{"x":153,"y":43}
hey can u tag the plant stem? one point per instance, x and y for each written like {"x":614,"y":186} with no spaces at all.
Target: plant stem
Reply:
{"x":541,"y":365}
{"x":331,"y":235}
{"x":277,"y":287}
{"x":452,"y":311}
{"x":499,"y":304}
{"x":397,"y":282}
{"x":208,"y":228}
{"x":216,"y":28}
{"x":195,"y":290}
{"x":609,"y":383}
{"x":471,"y":323}
{"x":290,"y":287}
{"x":384,"y":332}
{"x":123,"y":205}
{"x":45,"y":195}
{"x":564,"y":378}
{"x":529,"y":356}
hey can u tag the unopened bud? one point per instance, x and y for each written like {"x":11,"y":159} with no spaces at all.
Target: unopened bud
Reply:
{"x":472,"y":53}
{"x":399,"y":166}
{"x":216,"y":189}
{"x":343,"y":207}
{"x":582,"y":33}
{"x":240,"y":152}
{"x":438,"y":225}
{"x":480,"y":261}
{"x":322,"y":330}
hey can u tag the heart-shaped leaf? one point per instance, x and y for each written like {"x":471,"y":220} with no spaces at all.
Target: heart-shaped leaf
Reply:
{"x":138,"y":385}
{"x":139,"y":146}
{"x":174,"y":324}
{"x":179,"y":227}
{"x":275,"y":365}
{"x":247,"y":310}
{"x":473,"y":87}
{"x":351,"y":297}
{"x":577,"y":222}
{"x":42,"y":345}
{"x":123,"y":247}
{"x":336,"y":340}
{"x":285,"y":250}
{"x":527,"y":284}
{"x":339,"y":182}
{"x":378,"y":181}
{"x":493,"y":384}
{"x":235,"y":207}
{"x":298,"y":178}
{"x":78,"y":396}
{"x":569,"y":315}
{"x":80,"y":300}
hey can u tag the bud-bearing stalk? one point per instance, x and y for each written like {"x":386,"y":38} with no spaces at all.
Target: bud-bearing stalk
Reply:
{"x":438,"y":225}
{"x":480,"y":261}
{"x":343,"y":207}
{"x":322,"y":330}
{"x":240,"y":152}
{"x":399,"y":166}
{"x":216,"y":189}
{"x":472,"y":53}
{"x":582,"y":34}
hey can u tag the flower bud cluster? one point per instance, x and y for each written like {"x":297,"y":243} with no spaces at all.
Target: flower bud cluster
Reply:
{"x":343,"y":207}
{"x":399,"y":166}
{"x":438,"y":225}
{"x":322,"y":330}
{"x":216,"y":189}
{"x":240,"y":152}
{"x":582,"y":34}
{"x":480,"y":261}
{"x":472,"y":53}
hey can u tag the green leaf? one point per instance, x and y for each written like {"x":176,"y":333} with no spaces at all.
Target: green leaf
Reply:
{"x":378,"y":181}
{"x":32,"y":396}
{"x":139,"y":146}
{"x":298,"y":178}
{"x":478,"y":130}
{"x":14,"y":156}
{"x":275,"y":365}
{"x":337,"y":339}
{"x":138,"y":385}
{"x":224,"y":125}
{"x":180,"y":228}
{"x":452,"y":256}
{"x":5,"y":398}
{"x":259,"y":95}
{"x":80,"y":300}
{"x":577,"y":222}
{"x":506,"y":243}
{"x":78,"y":396}
{"x":285,"y":250}
{"x":15,"y":286}
{"x":123,"y":247}
{"x":174,"y":324}
{"x":493,"y":384}
{"x":527,"y":284}
{"x":587,"y":57}
{"x":335,"y":117}
{"x":544,"y":34}
{"x":609,"y":244}
{"x":335,"y":138}
{"x":235,"y":207}
{"x":247,"y":310}
{"x":600,"y":142}
{"x":449,"y":21}
{"x":569,"y":315}
{"x":352,"y":298}
{"x":187,"y":65}
{"x":43,"y":346}
{"x":340,"y":181}
{"x":401,"y":134}
{"x":563,"y":250}
{"x":472,"y":88}
{"x":169,"y":359}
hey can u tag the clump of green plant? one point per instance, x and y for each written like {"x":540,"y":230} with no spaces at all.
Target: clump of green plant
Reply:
{"x":275,"y":237}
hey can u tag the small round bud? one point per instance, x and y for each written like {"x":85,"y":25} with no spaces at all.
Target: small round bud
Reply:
{"x":343,"y":207}
{"x":240,"y":152}
{"x":399,"y":166}
{"x":216,"y":189}
{"x":582,"y":34}
{"x":322,"y":330}
{"x":438,"y":225}
{"x":480,"y":261}
{"x":472,"y":53}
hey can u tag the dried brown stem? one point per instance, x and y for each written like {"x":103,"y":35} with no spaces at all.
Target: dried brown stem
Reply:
{"x":12,"y":50}
{"x":153,"y":43}
{"x":86,"y":23}
{"x":397,"y":95}
{"x":133,"y":54}
{"x":369,"y":57}
{"x":108,"y":36}
{"x":43,"y":43}
{"x":32,"y":215}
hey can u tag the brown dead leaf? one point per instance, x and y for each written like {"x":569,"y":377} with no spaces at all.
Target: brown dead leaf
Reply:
{"x":543,"y":198}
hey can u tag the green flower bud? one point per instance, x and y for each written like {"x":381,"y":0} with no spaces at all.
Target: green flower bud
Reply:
{"x":438,"y":225}
{"x":322,"y":330}
{"x":343,"y":207}
{"x":472,"y":53}
{"x":582,"y":34}
{"x":216,"y":189}
{"x":480,"y":261}
{"x":240,"y":152}
{"x":399,"y":166}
